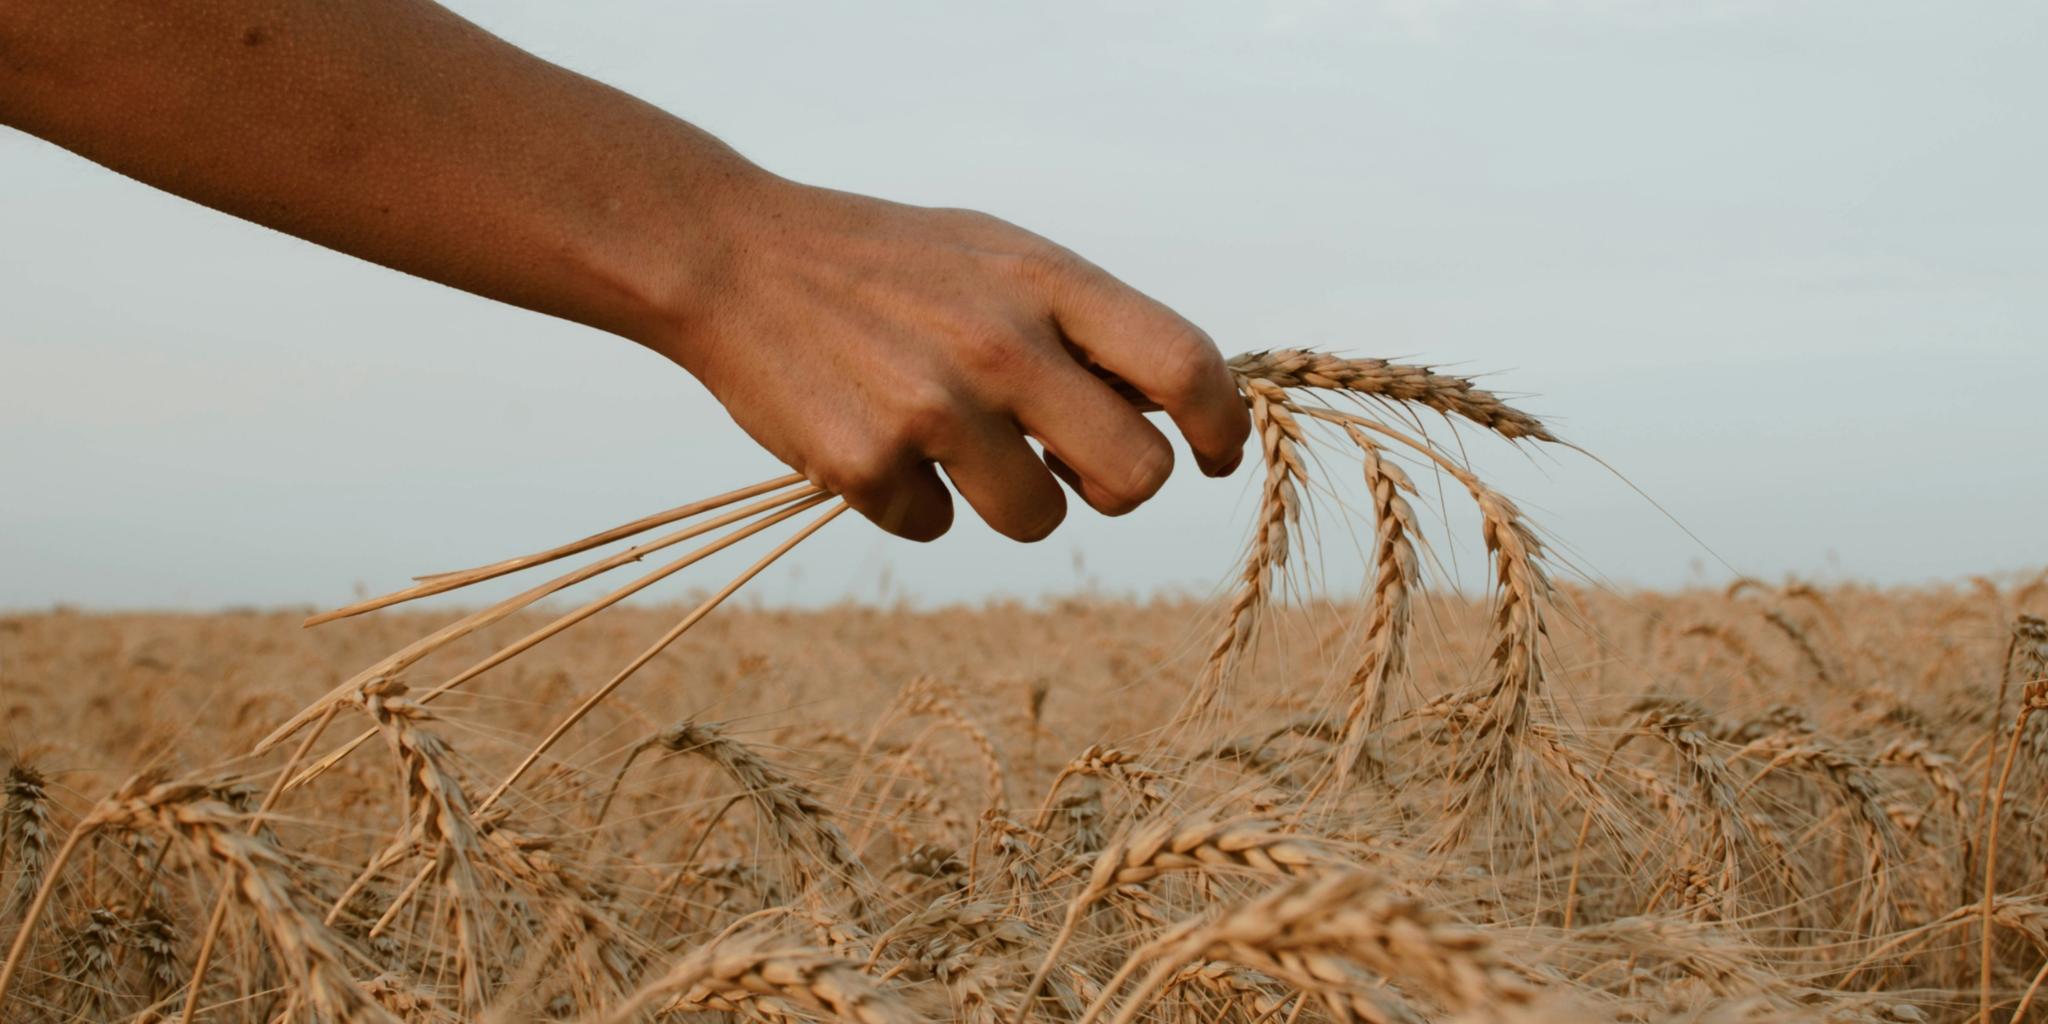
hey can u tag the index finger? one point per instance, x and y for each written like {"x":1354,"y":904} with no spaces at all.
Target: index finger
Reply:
{"x":1160,"y":354}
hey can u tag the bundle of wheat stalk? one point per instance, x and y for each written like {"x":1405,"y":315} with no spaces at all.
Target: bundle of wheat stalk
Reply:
{"x":1748,"y":810}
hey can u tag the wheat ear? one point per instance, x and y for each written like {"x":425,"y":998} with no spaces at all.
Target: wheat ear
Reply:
{"x":1195,"y":844}
{"x":790,"y":810}
{"x":183,"y":813}
{"x":1521,"y":588}
{"x":1396,"y":575}
{"x":90,"y":955}
{"x":1333,"y":933}
{"x":733,"y":972}
{"x":925,"y":696}
{"x":1677,"y":724}
{"x":1378,"y":378}
{"x":1280,"y":497}
{"x":25,"y":836}
{"x":204,"y":958}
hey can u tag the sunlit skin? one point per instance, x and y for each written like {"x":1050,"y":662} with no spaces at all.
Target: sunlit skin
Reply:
{"x":864,"y":342}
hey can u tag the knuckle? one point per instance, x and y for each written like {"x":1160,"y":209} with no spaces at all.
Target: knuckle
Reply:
{"x":981,"y":223}
{"x":925,"y":414}
{"x":859,"y":472}
{"x":1049,"y":263}
{"x":992,"y":350}
{"x":1187,"y":365}
{"x":964,"y":217}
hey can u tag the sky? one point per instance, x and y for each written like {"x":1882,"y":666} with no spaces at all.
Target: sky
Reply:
{"x":1782,"y":265}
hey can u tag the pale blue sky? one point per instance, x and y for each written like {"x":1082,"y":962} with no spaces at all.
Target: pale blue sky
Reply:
{"x":1783,"y":263}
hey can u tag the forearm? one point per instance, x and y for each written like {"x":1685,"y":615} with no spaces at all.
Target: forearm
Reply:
{"x":392,"y":130}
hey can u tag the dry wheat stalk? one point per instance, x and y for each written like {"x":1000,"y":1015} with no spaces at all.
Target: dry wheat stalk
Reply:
{"x":1752,"y":666}
{"x":2027,"y":655}
{"x":442,"y":823}
{"x":1396,"y":575}
{"x":1265,"y":379}
{"x":1678,"y":725}
{"x":1143,"y":782}
{"x":261,"y":877}
{"x":389,"y":667}
{"x":1937,"y":768}
{"x":1279,"y":517}
{"x":973,"y":947}
{"x":791,"y":811}
{"x":949,"y":927}
{"x":696,"y":615}
{"x":1201,"y":844}
{"x":1380,"y":379}
{"x":90,"y":954}
{"x":1259,"y":995}
{"x":1245,"y":845}
{"x":926,"y":696}
{"x":1332,"y":933}
{"x":156,"y":944}
{"x":743,"y":972}
{"x":443,"y":582}
{"x":25,"y":835}
{"x":1516,"y":667}
{"x":1712,"y":953}
{"x":1803,"y":643}
{"x":1516,"y":662}
{"x":1015,"y":847}
{"x":1862,"y":794}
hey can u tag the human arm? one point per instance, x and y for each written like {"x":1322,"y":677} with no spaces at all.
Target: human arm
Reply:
{"x":859,"y":340}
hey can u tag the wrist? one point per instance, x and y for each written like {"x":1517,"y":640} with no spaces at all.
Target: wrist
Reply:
{"x":690,"y":254}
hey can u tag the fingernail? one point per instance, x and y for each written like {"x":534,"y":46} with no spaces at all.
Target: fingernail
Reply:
{"x":1046,"y":526}
{"x":1225,"y":468}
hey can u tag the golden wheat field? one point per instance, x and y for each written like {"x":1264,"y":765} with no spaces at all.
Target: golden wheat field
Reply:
{"x":1533,"y":801}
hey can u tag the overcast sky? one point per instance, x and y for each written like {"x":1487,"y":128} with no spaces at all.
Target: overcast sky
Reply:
{"x":1783,"y":264}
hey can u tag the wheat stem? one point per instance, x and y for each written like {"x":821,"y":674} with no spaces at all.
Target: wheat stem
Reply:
{"x":529,"y":641}
{"x":696,"y":615}
{"x":442,"y":582}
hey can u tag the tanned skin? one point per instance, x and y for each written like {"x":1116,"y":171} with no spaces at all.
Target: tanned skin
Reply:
{"x":863,"y":342}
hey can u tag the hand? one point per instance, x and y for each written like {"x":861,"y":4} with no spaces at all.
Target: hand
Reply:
{"x":863,"y":341}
